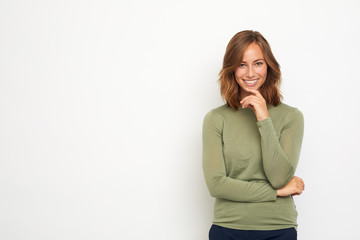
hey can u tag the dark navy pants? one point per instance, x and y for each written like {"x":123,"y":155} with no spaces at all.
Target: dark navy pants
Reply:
{"x":222,"y":233}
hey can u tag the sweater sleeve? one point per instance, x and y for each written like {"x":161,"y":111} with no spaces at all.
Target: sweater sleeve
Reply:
{"x":218,"y":183}
{"x":281,"y":153}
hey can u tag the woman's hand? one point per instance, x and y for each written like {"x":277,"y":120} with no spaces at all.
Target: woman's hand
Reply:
{"x":294,"y":187}
{"x":257,"y":103}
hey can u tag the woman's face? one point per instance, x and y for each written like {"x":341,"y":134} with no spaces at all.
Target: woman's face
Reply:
{"x":253,"y":69}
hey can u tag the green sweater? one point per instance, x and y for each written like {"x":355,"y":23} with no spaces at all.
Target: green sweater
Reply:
{"x":245,"y":161}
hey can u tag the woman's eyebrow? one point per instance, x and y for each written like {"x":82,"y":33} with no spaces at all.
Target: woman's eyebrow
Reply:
{"x":260,"y":59}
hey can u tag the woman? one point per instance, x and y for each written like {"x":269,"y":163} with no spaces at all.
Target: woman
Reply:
{"x":251,"y":147}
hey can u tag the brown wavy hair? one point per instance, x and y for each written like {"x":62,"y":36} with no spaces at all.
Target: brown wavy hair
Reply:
{"x":229,"y":88}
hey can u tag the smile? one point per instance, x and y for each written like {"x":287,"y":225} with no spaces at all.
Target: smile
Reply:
{"x":250,"y":82}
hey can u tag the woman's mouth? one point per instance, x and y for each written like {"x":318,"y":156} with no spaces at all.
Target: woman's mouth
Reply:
{"x":250,"y":83}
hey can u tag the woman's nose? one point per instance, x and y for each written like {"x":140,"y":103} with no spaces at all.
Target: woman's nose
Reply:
{"x":250,"y":72}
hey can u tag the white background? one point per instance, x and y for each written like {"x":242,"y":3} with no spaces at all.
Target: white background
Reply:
{"x":102,"y":105}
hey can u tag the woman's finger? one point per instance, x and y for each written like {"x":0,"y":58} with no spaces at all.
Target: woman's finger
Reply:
{"x":252,"y":97}
{"x":252,"y":102}
{"x":254,"y":91}
{"x":248,"y":97}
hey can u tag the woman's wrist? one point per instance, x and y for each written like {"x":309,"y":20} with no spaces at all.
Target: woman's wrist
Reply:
{"x":260,"y":118}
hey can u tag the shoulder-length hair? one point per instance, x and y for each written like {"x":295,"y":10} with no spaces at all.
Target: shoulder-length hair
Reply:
{"x":229,"y":88}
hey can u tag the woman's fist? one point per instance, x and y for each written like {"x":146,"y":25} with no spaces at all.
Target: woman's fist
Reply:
{"x":294,"y":187}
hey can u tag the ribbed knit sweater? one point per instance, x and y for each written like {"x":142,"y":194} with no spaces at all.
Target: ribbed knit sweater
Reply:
{"x":245,"y":161}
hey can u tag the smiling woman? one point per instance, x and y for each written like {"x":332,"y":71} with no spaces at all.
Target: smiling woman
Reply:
{"x":251,"y":147}
{"x":252,"y":70}
{"x":249,"y":59}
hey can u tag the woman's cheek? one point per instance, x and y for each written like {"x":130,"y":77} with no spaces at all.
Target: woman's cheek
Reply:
{"x":263,"y":70}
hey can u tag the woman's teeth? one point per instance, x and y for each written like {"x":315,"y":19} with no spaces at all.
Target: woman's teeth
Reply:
{"x":251,"y":83}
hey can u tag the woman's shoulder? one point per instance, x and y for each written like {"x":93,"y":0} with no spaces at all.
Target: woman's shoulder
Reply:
{"x":220,"y":111}
{"x":283,"y":107}
{"x":218,"y":114}
{"x":287,"y":111}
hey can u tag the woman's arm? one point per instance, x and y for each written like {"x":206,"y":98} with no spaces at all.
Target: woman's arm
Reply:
{"x":281,"y":154}
{"x":220,"y":185}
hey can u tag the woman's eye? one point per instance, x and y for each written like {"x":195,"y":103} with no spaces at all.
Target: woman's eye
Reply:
{"x":242,"y":64}
{"x":259,"y":63}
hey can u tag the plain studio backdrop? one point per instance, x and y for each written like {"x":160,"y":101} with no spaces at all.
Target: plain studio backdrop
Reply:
{"x":102,"y":104}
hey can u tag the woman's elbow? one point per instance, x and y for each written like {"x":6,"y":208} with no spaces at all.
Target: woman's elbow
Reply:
{"x":214,"y":187}
{"x":213,"y":193}
{"x":280,"y":182}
